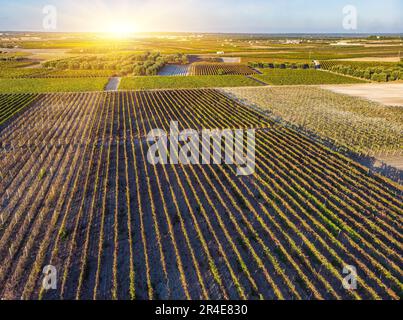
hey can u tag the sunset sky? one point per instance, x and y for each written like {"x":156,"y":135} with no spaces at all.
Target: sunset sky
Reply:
{"x":265,"y":16}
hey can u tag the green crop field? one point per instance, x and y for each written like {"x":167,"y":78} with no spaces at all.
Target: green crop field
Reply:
{"x":52,"y":85}
{"x":80,"y":74}
{"x":7,"y":64}
{"x":320,"y":51}
{"x":10,"y":73}
{"x":370,"y":70}
{"x":206,"y":69}
{"x":357,"y":64}
{"x":302,"y":77}
{"x":171,"y":82}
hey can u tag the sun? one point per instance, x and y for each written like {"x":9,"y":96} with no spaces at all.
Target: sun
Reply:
{"x":121,"y":30}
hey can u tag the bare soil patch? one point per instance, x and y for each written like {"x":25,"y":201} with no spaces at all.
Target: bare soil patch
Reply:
{"x":41,"y":55}
{"x":393,"y":161}
{"x":387,"y":94}
{"x":373,"y":59}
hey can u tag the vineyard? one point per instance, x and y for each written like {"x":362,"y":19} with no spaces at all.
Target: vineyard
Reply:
{"x":174,"y":70}
{"x":363,"y":126}
{"x":376,"y":71}
{"x":39,"y":85}
{"x":282,"y":65}
{"x":10,"y":104}
{"x":77,"y":74}
{"x":303,"y":77}
{"x":328,"y":64}
{"x":210,"y":69}
{"x":77,"y":192}
{"x":173,"y":82}
{"x":13,"y":73}
{"x":16,"y":64}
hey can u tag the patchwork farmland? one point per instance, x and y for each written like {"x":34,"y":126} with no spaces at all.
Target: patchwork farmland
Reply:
{"x":83,"y":197}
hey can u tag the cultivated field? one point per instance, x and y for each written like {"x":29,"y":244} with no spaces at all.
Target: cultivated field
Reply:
{"x":173,"y":82}
{"x":210,"y":69}
{"x":386,"y":93}
{"x":52,"y":85}
{"x":77,"y":192}
{"x":357,"y":63}
{"x":77,"y":74}
{"x":303,"y":77}
{"x":174,"y":70}
{"x":8,"y":72}
{"x":374,"y":59}
{"x":10,"y":104}
{"x":375,"y":71}
{"x":363,"y":126}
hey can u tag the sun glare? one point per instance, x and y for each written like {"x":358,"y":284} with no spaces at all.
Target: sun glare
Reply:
{"x":121,"y":30}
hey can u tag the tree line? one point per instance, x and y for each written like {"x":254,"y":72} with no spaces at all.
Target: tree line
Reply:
{"x":146,"y":64}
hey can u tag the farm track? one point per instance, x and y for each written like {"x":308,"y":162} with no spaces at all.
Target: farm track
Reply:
{"x":258,"y":81}
{"x":77,"y":192}
{"x":113,"y":84}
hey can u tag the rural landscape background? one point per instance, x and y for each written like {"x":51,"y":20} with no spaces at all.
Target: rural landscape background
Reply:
{"x":84,"y":214}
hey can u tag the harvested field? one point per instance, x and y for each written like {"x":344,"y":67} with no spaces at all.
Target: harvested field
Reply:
{"x":41,"y":54}
{"x":385,"y":93}
{"x":206,"y":69}
{"x":373,"y":59}
{"x":77,"y":192}
{"x":393,"y":161}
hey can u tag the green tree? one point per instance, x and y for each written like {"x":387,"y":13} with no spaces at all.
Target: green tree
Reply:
{"x":220,"y":72}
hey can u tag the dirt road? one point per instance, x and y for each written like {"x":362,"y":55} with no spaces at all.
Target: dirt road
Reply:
{"x":113,"y":84}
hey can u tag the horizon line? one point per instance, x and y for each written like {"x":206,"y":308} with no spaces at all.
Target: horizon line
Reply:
{"x":215,"y":32}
